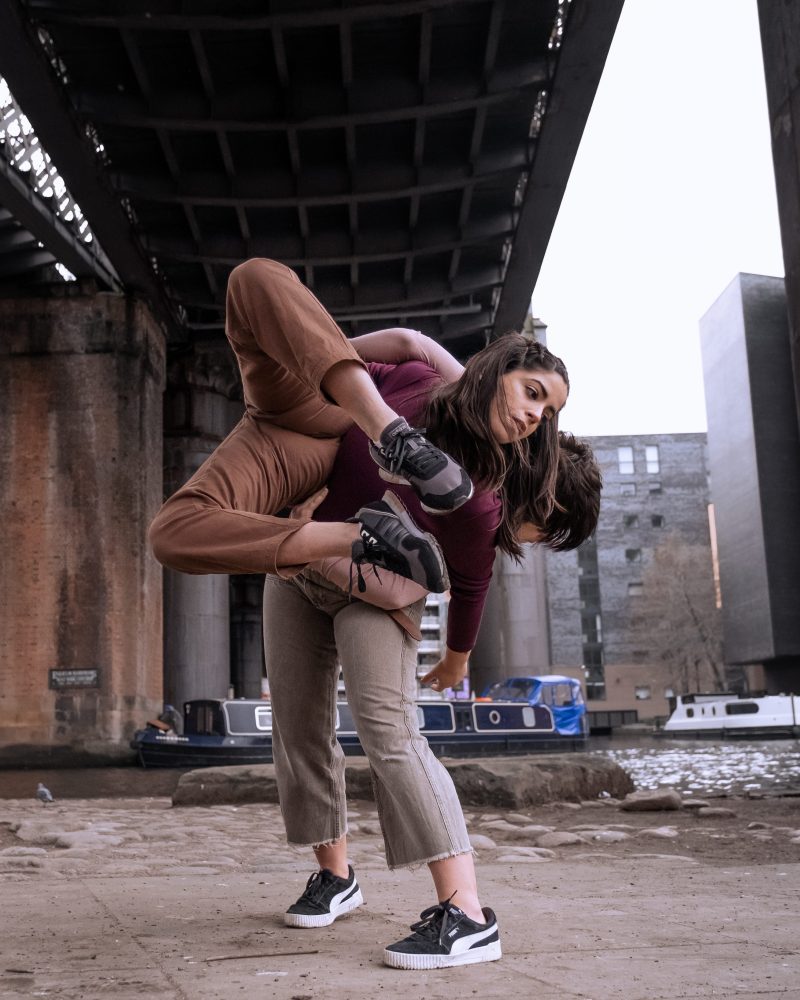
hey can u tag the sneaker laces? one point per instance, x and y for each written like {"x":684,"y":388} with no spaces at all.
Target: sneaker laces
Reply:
{"x":436,"y":921}
{"x":362,"y":556}
{"x":400,"y":446}
{"x":317,"y":886}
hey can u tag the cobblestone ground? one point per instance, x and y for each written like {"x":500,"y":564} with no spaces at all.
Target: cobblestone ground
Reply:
{"x":111,"y":837}
{"x":132,"y":899}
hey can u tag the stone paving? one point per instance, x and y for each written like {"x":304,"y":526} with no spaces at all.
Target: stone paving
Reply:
{"x":133,"y":898}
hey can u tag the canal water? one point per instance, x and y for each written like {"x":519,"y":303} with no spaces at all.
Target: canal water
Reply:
{"x":706,"y":768}
{"x":693,"y":768}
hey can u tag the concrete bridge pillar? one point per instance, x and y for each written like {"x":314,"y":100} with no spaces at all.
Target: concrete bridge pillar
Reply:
{"x":247,"y":640}
{"x":514,"y":639}
{"x":198,"y":414}
{"x":81,"y":379}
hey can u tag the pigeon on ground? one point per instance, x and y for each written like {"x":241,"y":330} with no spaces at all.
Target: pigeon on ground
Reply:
{"x":44,"y":795}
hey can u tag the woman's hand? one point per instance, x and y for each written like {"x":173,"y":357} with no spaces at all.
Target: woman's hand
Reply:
{"x":451,"y":669}
{"x":305,"y":511}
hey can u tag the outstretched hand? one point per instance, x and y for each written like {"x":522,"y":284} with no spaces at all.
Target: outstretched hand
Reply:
{"x":449,"y":671}
{"x":305,"y":510}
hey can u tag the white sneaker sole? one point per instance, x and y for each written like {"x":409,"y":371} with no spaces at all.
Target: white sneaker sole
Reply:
{"x":430,"y":510}
{"x":389,"y":478}
{"x":401,"y":960}
{"x":323,"y":919}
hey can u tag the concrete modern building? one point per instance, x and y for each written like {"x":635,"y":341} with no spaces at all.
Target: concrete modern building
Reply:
{"x":754,"y":450}
{"x":656,"y":494}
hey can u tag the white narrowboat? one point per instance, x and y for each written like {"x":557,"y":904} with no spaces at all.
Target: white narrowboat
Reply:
{"x":733,"y":715}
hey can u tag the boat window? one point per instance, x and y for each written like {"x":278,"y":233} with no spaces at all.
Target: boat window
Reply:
{"x":741,"y":708}
{"x":690,"y":712}
{"x":557,"y":695}
{"x":511,"y":690}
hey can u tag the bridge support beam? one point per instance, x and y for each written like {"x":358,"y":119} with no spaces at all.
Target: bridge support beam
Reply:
{"x":81,"y":378}
{"x":514,"y":639}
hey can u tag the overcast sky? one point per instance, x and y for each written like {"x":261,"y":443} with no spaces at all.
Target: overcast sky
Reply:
{"x":672,"y":193}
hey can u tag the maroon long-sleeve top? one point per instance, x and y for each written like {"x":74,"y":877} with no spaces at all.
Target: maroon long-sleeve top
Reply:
{"x":467,"y":535}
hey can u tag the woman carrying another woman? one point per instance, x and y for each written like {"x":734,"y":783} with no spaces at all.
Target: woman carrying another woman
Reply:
{"x":293,"y":358}
{"x":418,"y":809}
{"x":294,"y":362}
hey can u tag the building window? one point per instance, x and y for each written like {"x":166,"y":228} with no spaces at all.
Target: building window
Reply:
{"x":642,"y":692}
{"x":635,"y":589}
{"x":669,"y":692}
{"x":627,"y":489}
{"x":591,"y":618}
{"x":651,"y":457}
{"x":633,"y":555}
{"x":593,"y":656}
{"x":657,"y":520}
{"x":592,"y":625}
{"x":595,"y":690}
{"x":654,"y":488}
{"x":625,"y":460}
{"x":630,"y":520}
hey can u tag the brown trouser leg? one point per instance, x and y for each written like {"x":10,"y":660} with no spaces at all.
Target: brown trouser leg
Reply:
{"x":222,"y":520}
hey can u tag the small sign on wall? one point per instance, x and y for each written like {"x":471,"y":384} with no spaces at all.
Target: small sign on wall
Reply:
{"x":86,"y":678}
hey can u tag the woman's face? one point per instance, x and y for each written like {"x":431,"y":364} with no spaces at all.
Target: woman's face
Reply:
{"x":530,"y":398}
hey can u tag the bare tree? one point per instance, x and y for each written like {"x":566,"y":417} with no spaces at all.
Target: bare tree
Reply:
{"x":678,"y":613}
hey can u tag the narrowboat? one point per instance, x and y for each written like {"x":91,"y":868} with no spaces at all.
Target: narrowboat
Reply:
{"x":239,"y":731}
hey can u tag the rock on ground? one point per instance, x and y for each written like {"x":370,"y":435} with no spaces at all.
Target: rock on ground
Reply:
{"x":665,"y":799}
{"x":504,"y":782}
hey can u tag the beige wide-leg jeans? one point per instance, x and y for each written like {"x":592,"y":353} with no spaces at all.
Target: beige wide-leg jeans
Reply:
{"x":306,"y":621}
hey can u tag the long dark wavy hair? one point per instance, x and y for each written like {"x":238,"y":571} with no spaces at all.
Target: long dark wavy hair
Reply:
{"x":457,"y":419}
{"x":579,"y":485}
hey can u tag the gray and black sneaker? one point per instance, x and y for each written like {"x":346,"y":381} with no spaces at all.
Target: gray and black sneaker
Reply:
{"x":445,"y":936}
{"x":327,"y":897}
{"x":390,"y":540}
{"x":405,"y":455}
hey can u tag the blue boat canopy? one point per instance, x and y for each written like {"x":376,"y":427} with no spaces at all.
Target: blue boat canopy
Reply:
{"x":561,"y":694}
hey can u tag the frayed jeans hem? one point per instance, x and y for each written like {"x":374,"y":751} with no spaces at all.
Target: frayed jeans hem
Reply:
{"x":314,"y":846}
{"x":413,"y":866}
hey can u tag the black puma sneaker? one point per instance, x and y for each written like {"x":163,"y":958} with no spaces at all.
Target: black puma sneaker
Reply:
{"x":327,"y":896}
{"x":390,"y":540}
{"x":445,"y":936}
{"x":405,"y":455}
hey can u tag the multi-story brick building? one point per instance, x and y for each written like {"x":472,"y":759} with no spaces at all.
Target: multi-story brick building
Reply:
{"x":656,"y":488}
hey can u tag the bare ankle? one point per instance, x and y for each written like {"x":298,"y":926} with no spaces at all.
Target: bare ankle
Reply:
{"x":471,"y":907}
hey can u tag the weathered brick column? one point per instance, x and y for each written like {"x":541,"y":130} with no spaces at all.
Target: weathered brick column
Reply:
{"x":81,"y":378}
